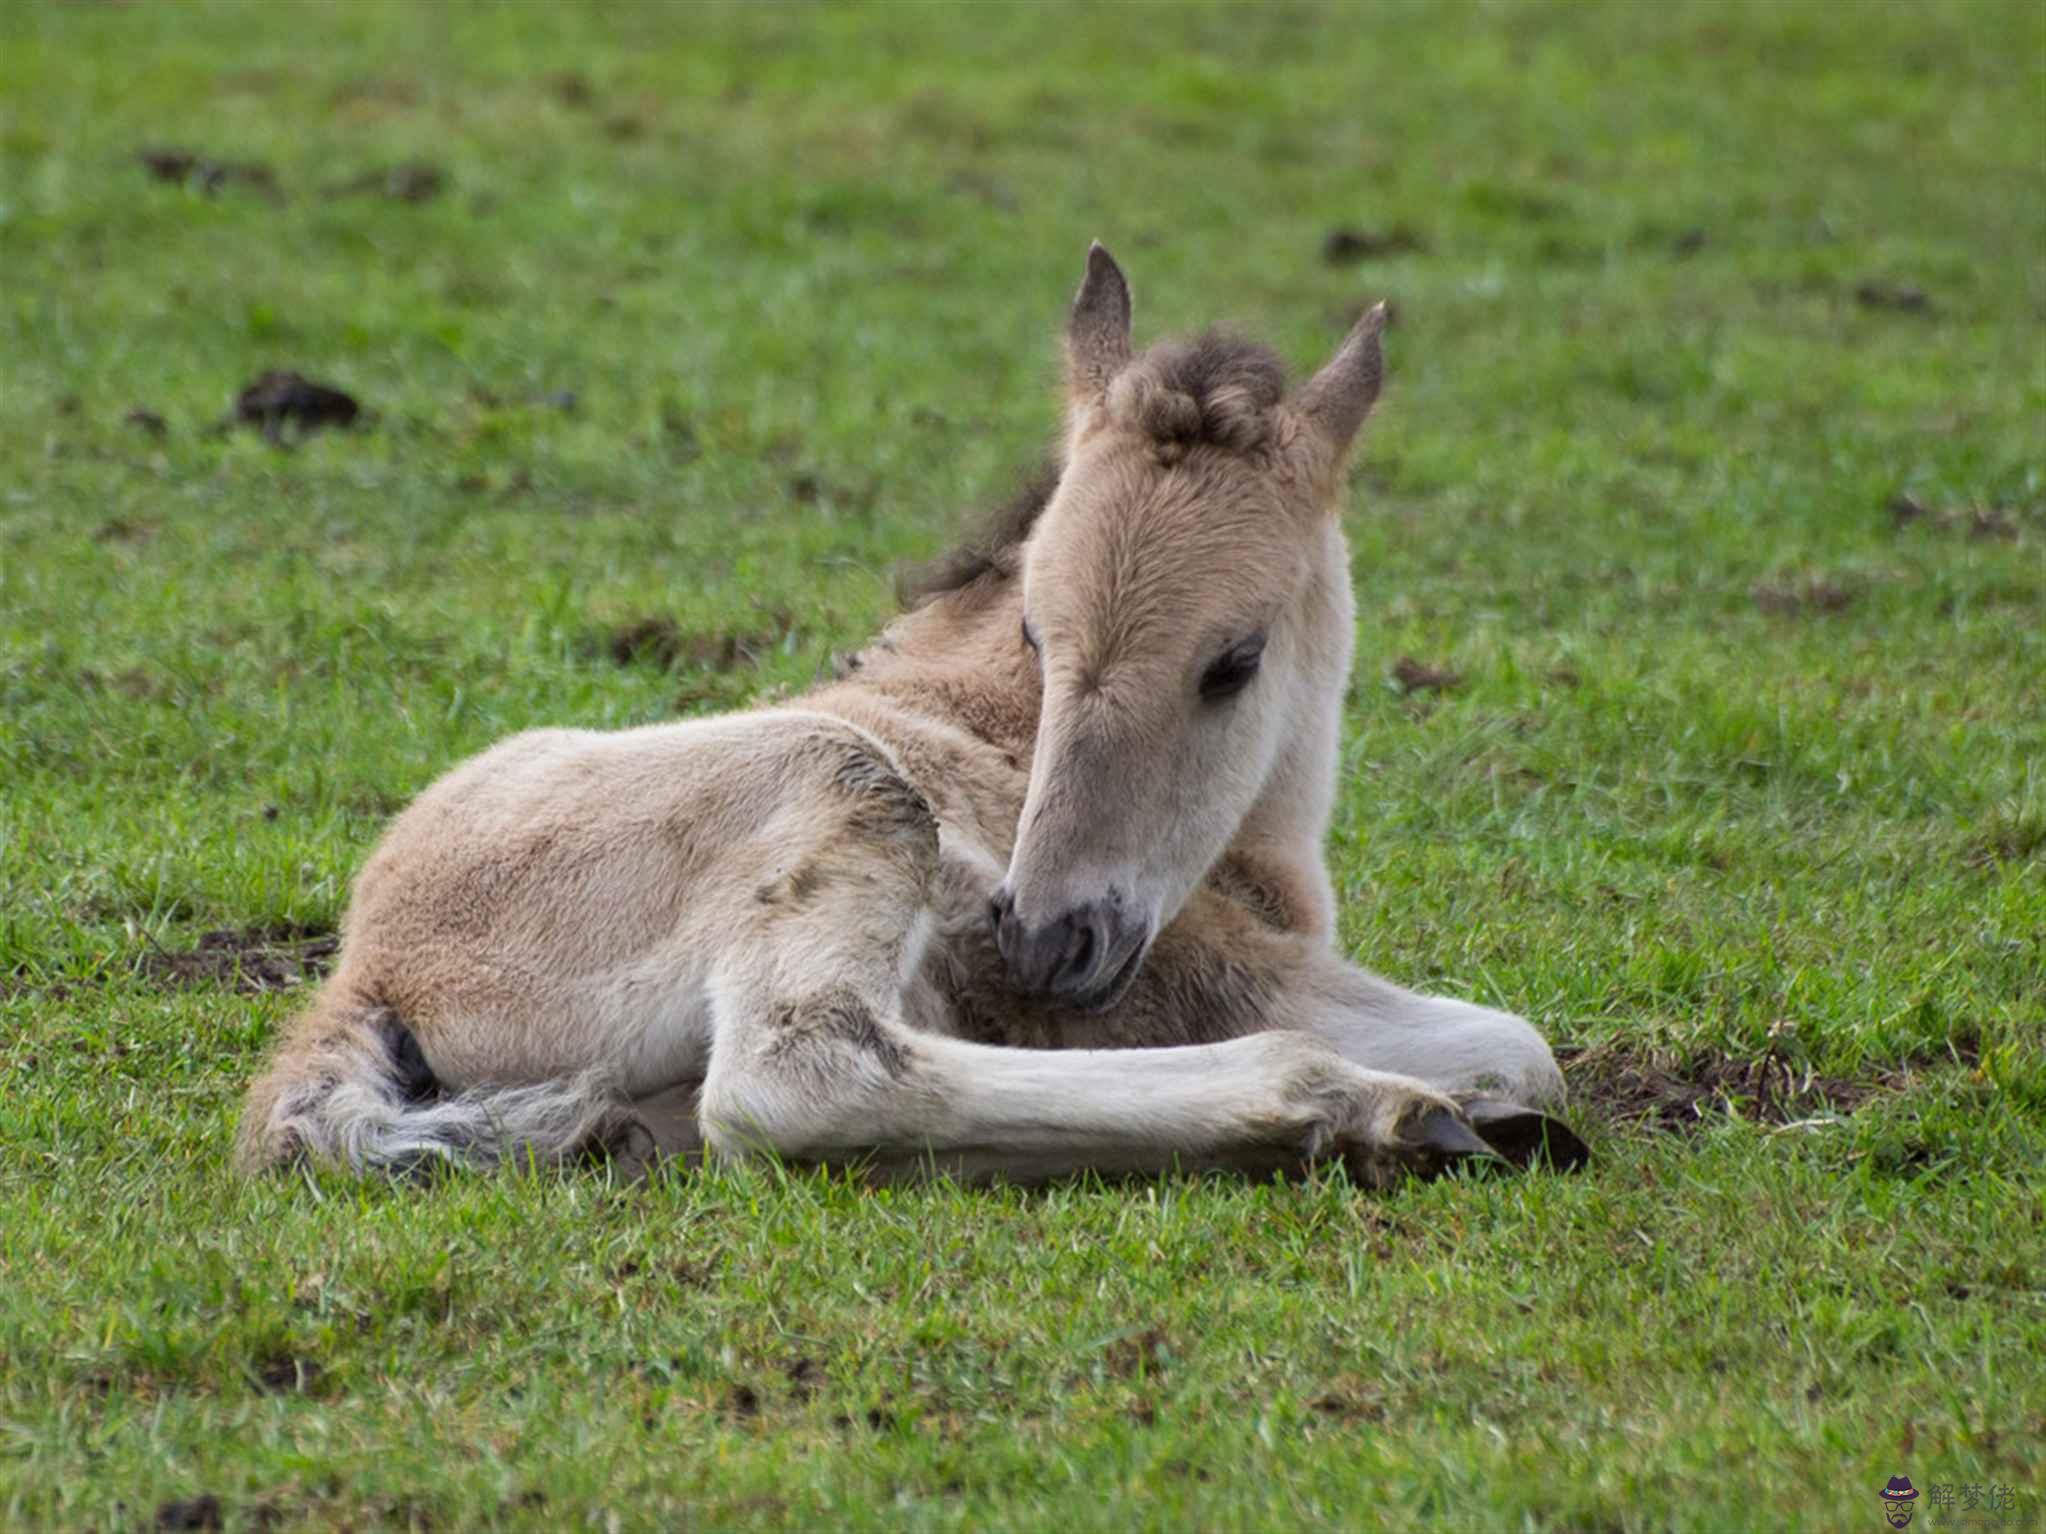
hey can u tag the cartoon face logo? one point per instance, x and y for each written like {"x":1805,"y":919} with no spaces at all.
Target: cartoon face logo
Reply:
{"x":1897,"y":1499}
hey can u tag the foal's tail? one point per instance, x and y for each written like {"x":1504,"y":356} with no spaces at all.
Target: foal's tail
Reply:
{"x":349,"y":1087}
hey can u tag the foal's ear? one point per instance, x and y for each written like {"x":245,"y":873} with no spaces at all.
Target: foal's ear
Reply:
{"x":1098,"y":334}
{"x":1336,"y":400}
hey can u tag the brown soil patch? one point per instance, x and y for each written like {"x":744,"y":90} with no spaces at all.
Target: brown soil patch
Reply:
{"x":184,"y":167}
{"x":1793,"y":599}
{"x":411,"y":181}
{"x":1976,"y":522}
{"x":249,"y":960}
{"x":1664,"y":1094}
{"x":1144,"y":1353}
{"x":665,"y":643}
{"x":1899,"y":296}
{"x":200,"y":1512}
{"x":1346,"y":247}
{"x":1412,"y":676}
{"x":282,"y":1374}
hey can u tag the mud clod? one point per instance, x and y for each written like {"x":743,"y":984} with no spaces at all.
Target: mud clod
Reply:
{"x":1348,"y":246}
{"x":286,"y":1375}
{"x":1411,"y":676}
{"x":1898,"y":296}
{"x":1795,"y":599}
{"x":186,"y":168}
{"x":806,"y":1378}
{"x":200,"y":1512}
{"x":1975,"y":522}
{"x":665,"y":643}
{"x":278,"y":398}
{"x":411,"y":181}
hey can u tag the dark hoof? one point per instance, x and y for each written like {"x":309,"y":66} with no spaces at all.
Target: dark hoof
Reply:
{"x":1525,"y":1136}
{"x":630,"y":1148}
{"x":1443,"y":1139}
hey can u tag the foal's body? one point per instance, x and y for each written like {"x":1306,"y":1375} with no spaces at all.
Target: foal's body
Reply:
{"x":773,"y":930}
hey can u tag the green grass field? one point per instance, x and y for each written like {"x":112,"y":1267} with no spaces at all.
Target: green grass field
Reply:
{"x":1712,"y":466}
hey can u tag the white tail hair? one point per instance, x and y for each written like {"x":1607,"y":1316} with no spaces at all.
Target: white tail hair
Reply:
{"x":349,"y":1087}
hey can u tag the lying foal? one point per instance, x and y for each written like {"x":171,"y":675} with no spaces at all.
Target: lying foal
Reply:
{"x":1036,"y":887}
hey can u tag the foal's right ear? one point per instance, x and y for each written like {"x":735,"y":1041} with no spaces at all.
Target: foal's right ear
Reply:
{"x":1336,"y":400}
{"x":1098,"y":334}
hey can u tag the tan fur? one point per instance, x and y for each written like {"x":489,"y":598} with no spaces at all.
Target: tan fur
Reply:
{"x":777,"y":921}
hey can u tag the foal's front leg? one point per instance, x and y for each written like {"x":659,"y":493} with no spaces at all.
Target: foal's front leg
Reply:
{"x":832,"y":1077}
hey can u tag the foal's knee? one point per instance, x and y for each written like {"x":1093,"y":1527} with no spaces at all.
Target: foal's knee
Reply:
{"x":808,"y":1079}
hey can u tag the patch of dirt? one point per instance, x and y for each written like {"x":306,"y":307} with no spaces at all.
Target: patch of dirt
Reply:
{"x":1347,"y":246}
{"x":573,"y":91}
{"x":1898,"y":296}
{"x":200,"y":1512}
{"x":144,"y":419}
{"x":183,"y":167}
{"x":1977,"y":522}
{"x":2006,"y":836}
{"x":877,"y":1419}
{"x":250,"y":960}
{"x":1144,"y":1353}
{"x":1661,"y":1093}
{"x":742,"y":1401}
{"x":1411,"y":676}
{"x":1794,"y":599}
{"x":279,"y":398}
{"x":806,"y":1378}
{"x":116,"y":530}
{"x":410,"y":181}
{"x":1349,"y":1405}
{"x":666,"y":644}
{"x":282,"y":1374}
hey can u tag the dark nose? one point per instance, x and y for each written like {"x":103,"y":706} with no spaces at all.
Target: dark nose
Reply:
{"x":1062,"y":957}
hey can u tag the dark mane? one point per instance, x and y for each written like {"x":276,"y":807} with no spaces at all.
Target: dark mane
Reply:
{"x":1216,"y":390}
{"x":986,"y":550}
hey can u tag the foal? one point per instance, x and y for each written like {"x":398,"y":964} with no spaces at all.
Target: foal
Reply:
{"x":1035,"y":887}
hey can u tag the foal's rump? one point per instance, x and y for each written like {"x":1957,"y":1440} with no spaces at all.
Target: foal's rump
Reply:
{"x":534,"y":943}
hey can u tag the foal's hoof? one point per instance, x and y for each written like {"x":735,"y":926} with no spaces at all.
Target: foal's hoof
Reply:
{"x":1441,"y":1139}
{"x":1525,"y":1136}
{"x":630,"y":1148}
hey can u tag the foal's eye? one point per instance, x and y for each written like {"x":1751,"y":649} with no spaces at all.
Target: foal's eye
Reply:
{"x":1029,"y":638}
{"x":1233,"y":672}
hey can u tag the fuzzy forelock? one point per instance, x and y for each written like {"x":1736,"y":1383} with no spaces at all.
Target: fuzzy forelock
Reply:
{"x":1216,"y":390}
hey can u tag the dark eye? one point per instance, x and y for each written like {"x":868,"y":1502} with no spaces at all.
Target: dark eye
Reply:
{"x":1233,"y":672}
{"x":1029,"y":638}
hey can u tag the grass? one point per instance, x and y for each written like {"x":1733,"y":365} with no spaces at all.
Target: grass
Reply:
{"x":1742,"y":765}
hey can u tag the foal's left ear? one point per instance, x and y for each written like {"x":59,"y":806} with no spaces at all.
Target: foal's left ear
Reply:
{"x":1098,"y":333}
{"x":1336,"y":400}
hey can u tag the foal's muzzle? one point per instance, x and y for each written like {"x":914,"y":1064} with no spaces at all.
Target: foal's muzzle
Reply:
{"x":1086,"y":956}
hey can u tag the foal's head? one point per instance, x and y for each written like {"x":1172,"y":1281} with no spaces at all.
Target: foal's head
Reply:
{"x":1177,"y":593}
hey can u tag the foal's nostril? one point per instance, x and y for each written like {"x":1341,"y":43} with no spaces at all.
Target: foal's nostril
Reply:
{"x":1081,"y":946}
